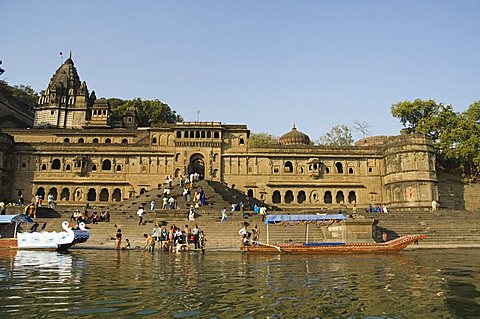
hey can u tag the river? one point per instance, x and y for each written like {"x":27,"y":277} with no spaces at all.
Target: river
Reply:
{"x":130,"y":284}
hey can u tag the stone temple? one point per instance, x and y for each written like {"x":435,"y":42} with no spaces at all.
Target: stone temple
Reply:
{"x":80,"y":153}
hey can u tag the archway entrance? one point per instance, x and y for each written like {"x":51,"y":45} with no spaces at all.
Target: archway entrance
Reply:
{"x":197,"y":165}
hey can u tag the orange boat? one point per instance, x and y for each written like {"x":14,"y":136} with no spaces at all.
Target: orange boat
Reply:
{"x":392,"y":246}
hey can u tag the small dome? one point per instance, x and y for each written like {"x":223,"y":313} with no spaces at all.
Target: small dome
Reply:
{"x":294,"y":137}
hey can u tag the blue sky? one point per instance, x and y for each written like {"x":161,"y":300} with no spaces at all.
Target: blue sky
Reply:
{"x":266,"y":64}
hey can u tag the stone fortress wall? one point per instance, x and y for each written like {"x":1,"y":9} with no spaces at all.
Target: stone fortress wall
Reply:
{"x":98,"y":160}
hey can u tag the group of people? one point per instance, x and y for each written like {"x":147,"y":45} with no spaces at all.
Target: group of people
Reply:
{"x":174,"y":239}
{"x":378,"y":208}
{"x":94,"y":218}
{"x":249,"y":238}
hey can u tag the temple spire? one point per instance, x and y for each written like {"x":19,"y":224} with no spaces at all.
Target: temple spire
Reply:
{"x":70,"y":54}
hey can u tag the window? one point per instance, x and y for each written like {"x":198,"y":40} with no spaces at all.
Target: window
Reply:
{"x":119,"y":168}
{"x":242,"y":141}
{"x":327,"y":197}
{"x":66,"y":140}
{"x":103,"y":197}
{"x":192,"y":134}
{"x":154,"y":140}
{"x":350,"y":170}
{"x":301,"y":197}
{"x":216,"y":135}
{"x":250,"y":193}
{"x":197,"y":134}
{"x":94,"y":168}
{"x":288,"y":167}
{"x":209,"y":134}
{"x":370,"y":169}
{"x":276,"y":197}
{"x":185,"y":134}
{"x":68,"y":167}
{"x":92,"y":195}
{"x":44,"y":167}
{"x":179,"y":134}
{"x":339,"y":167}
{"x":288,"y":197}
{"x":203,"y":134}
{"x":108,"y":141}
{"x":95,"y":141}
{"x":340,"y":198}
{"x":56,"y":164}
{"x":81,"y":141}
{"x":352,"y":197}
{"x":106,"y":165}
{"x":124,"y":141}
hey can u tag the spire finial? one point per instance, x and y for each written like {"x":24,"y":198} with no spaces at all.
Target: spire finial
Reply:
{"x":294,"y":128}
{"x":70,"y":54}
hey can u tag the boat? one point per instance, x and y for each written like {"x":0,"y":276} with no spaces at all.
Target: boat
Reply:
{"x":12,"y":238}
{"x":328,"y":247}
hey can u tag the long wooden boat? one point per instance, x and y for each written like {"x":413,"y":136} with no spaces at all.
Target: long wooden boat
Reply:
{"x":392,"y":246}
{"x":12,"y":238}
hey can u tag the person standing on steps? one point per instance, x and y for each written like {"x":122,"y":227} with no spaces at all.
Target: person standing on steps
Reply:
{"x":196,"y":236}
{"x":224,"y":214}
{"x":153,"y":204}
{"x":202,"y":239}
{"x":140,"y":215}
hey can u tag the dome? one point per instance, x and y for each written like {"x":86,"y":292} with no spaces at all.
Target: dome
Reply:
{"x":294,"y":137}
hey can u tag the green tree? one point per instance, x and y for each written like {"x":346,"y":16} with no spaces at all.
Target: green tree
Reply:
{"x":148,"y":111}
{"x":339,"y":135}
{"x":262,"y":139}
{"x":25,"y":93}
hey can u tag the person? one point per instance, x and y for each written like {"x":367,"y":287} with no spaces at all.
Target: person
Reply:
{"x":156,"y":233}
{"x":196,"y":234}
{"x":384,"y":209}
{"x":384,"y":237}
{"x":118,"y":238}
{"x":243,"y":231}
{"x":171,"y":203}
{"x":202,"y":239}
{"x":140,"y":215}
{"x":188,"y":233}
{"x":50,"y":200}
{"x":255,"y":233}
{"x":153,"y":204}
{"x":434,"y":205}
{"x":149,"y":243}
{"x":165,"y":202}
{"x":354,"y":210}
{"x":127,"y":245}
{"x":224,"y":214}
{"x":180,"y":181}
{"x":2,"y":208}
{"x":263,"y":212}
{"x":191,"y":215}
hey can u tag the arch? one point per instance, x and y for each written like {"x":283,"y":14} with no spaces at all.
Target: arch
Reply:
{"x":202,"y":134}
{"x":95,"y":141}
{"x":124,"y":141}
{"x":117,"y":195}
{"x":106,"y":165}
{"x":370,"y":169}
{"x":92,"y":195}
{"x":40,"y":192}
{"x":65,"y":194}
{"x":154,"y":140}
{"x":327,"y":170}
{"x":276,"y":198}
{"x":192,"y":134}
{"x":209,"y":134}
{"x":216,"y":135}
{"x":288,"y":197}
{"x":185,"y":134}
{"x":66,"y":140}
{"x":340,"y":198}
{"x":301,"y":197}
{"x":81,"y":140}
{"x":327,"y":197}
{"x":56,"y":164}
{"x":339,"y":167}
{"x":44,"y":167}
{"x":142,"y":191}
{"x":177,"y":172}
{"x":68,"y":167}
{"x":94,"y":167}
{"x":54,"y":192}
{"x":250,"y":193}
{"x":288,"y":167}
{"x":350,"y":170}
{"x":78,"y":194}
{"x":197,"y":134}
{"x":119,"y":168}
{"x":179,"y":134}
{"x":103,"y":197}
{"x":241,"y":141}
{"x":352,"y":197}
{"x":108,"y":141}
{"x":197,"y":164}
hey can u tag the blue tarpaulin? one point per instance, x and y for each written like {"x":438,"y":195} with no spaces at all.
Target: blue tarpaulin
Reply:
{"x":273,"y":219}
{"x":7,"y":219}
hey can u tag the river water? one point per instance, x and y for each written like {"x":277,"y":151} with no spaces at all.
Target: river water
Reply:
{"x":110,"y":284}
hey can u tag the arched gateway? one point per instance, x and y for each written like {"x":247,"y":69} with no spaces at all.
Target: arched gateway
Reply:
{"x":197,"y":165}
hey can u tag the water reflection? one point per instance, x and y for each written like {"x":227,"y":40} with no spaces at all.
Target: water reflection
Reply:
{"x":115,"y":284}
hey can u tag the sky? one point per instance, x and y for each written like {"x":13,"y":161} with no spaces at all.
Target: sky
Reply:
{"x":267,"y":64}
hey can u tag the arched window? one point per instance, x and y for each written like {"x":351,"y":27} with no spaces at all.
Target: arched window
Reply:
{"x":119,"y":168}
{"x":56,"y":164}
{"x":95,"y":141}
{"x":209,"y":134}
{"x":92,"y":195}
{"x":288,"y":197}
{"x":288,"y":167}
{"x":197,"y":134}
{"x":54,"y":193}
{"x":124,"y":141}
{"x":65,"y":194}
{"x":192,"y":134}
{"x":117,"y":195}
{"x":142,"y":191}
{"x":66,"y":140}
{"x":44,"y":167}
{"x":177,"y":172}
{"x":41,"y":192}
{"x":106,"y":165}
{"x":216,"y":135}
{"x":103,"y":197}
{"x":370,"y":169}
{"x":68,"y":167}
{"x":352,"y":197}
{"x":276,"y":198}
{"x":327,"y":197}
{"x":81,"y":140}
{"x":203,"y":134}
{"x":179,"y":134}
{"x":242,"y":141}
{"x":301,"y":197}
{"x":339,"y":167}
{"x":94,"y":167}
{"x":250,"y":193}
{"x":340,"y":198}
{"x":327,"y":170}
{"x":154,"y":140}
{"x":185,"y":134}
{"x":108,"y":141}
{"x":350,"y":170}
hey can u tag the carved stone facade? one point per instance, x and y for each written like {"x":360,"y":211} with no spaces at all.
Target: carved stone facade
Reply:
{"x":91,"y":160}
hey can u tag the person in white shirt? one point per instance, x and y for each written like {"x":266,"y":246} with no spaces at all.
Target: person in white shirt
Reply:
{"x":140,"y":215}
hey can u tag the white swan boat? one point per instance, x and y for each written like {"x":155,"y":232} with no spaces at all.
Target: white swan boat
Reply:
{"x":12,"y":238}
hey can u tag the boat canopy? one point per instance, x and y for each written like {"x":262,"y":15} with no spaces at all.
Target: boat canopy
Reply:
{"x":273,"y":219}
{"x":7,"y":219}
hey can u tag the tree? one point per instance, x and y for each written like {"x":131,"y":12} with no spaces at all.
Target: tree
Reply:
{"x":262,"y":139}
{"x":148,"y":111}
{"x":25,"y":93}
{"x":340,"y":135}
{"x":362,"y":127}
